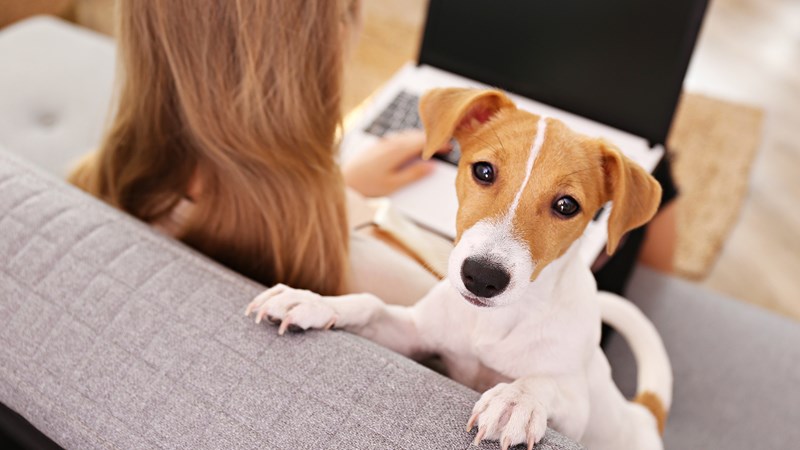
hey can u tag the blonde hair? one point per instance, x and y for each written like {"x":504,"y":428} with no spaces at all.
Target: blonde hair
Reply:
{"x":243,"y":96}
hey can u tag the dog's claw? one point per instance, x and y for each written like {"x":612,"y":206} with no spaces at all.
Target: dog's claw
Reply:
{"x":506,"y":443}
{"x":252,"y":307}
{"x":284,"y":325}
{"x":330,"y":323}
{"x":530,"y":440}
{"x":471,"y":422}
{"x":479,"y":437}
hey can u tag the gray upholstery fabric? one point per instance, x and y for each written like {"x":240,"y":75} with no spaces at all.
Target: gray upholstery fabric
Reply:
{"x":112,"y":336}
{"x":736,"y":367}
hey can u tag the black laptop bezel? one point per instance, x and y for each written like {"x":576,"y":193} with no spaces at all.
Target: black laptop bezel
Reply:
{"x":436,"y":10}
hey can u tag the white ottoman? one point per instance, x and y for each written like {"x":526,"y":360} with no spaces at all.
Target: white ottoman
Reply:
{"x":56,"y":84}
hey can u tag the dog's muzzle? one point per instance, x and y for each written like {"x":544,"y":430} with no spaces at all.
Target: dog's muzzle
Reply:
{"x":483,"y":277}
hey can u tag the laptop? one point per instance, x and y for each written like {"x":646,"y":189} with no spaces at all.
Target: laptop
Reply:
{"x":607,"y":69}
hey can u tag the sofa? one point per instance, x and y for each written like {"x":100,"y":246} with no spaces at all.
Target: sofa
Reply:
{"x":114,"y":336}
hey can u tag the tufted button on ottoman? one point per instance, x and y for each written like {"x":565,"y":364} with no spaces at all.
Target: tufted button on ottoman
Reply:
{"x":56,"y":86}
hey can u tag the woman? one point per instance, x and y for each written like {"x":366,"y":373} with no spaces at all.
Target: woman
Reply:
{"x":224,"y":136}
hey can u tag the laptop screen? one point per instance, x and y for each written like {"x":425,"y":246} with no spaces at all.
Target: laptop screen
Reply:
{"x":618,"y":62}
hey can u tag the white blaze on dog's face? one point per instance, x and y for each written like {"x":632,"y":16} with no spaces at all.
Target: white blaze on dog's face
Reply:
{"x":527,"y":187}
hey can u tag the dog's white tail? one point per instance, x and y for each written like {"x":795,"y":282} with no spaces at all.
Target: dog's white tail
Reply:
{"x":654,"y":380}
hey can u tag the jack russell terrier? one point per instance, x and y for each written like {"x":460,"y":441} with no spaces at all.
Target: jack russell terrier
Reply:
{"x":519,"y":313}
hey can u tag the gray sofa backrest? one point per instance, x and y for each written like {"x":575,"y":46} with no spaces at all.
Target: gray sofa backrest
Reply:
{"x":116,"y":337}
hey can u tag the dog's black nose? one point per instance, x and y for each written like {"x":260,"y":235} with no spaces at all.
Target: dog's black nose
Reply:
{"x":484,"y":278}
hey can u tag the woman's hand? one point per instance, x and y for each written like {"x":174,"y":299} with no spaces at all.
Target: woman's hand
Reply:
{"x":390,"y":164}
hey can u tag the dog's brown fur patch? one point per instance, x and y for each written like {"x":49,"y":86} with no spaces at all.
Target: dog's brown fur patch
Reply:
{"x":653,"y":404}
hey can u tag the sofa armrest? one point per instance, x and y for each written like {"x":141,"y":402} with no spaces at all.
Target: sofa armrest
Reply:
{"x":114,"y":336}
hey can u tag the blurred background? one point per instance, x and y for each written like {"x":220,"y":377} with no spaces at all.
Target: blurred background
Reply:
{"x":734,"y":140}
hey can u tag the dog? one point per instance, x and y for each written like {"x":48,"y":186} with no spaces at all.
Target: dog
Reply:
{"x":518,"y":316}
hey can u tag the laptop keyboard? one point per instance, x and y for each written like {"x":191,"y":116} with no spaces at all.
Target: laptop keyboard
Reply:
{"x":402,"y":114}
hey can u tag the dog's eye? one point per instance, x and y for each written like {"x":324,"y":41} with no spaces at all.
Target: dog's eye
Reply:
{"x":483,"y":172}
{"x":566,"y":206}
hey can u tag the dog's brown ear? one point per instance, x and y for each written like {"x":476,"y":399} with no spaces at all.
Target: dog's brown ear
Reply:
{"x":446,"y":113}
{"x":634,"y":192}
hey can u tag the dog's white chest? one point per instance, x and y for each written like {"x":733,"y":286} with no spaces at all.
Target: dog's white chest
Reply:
{"x":482,"y":347}
{"x":485,"y":359}
{"x":480,"y":352}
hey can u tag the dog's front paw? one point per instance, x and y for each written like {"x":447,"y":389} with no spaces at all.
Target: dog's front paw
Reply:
{"x":293,"y":308}
{"x":510,"y":415}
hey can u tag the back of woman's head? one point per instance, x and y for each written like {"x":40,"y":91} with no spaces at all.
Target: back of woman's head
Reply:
{"x":240,"y":98}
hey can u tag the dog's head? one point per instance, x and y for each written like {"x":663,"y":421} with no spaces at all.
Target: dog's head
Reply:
{"x":527,"y":187}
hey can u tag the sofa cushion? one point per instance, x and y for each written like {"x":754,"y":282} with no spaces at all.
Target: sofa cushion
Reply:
{"x":736,"y":366}
{"x":113,"y":336}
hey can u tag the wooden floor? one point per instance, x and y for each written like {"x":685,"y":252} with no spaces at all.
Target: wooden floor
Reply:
{"x":749,"y":51}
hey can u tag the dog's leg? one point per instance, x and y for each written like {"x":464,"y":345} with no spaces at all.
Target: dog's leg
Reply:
{"x":391,"y":326}
{"x":518,"y":412}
